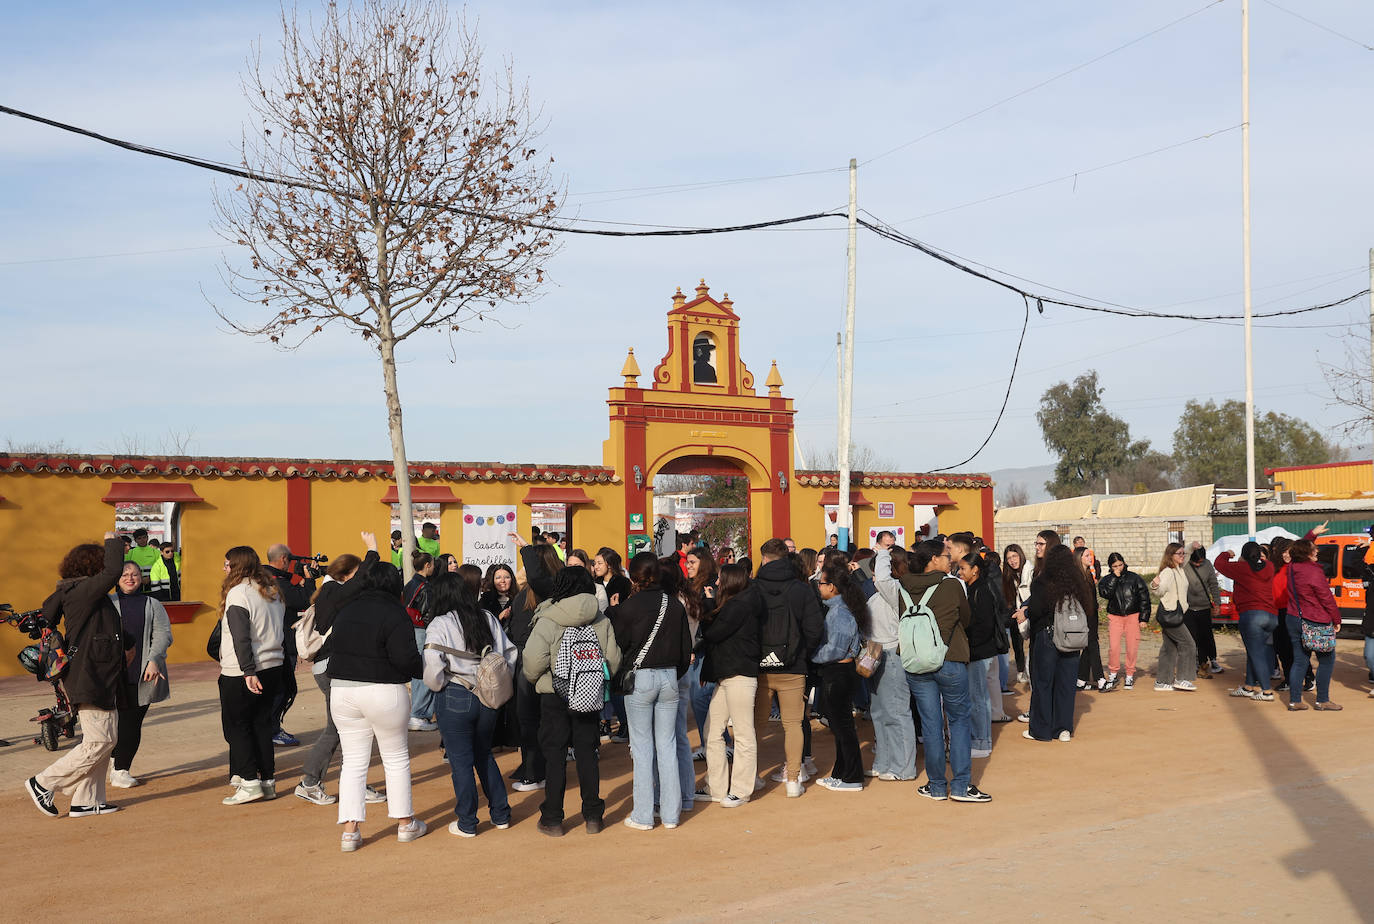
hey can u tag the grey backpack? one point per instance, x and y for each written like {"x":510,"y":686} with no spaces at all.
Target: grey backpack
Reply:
{"x":1071,"y":631}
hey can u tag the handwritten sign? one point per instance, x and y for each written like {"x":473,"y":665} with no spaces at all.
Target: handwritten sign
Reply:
{"x":485,"y":539}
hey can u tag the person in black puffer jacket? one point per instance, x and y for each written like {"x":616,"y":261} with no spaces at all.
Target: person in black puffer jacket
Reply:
{"x":730,"y":654}
{"x":372,"y":658}
{"x":983,"y":627}
{"x":95,"y":676}
{"x":1128,"y":607}
{"x":792,"y":629}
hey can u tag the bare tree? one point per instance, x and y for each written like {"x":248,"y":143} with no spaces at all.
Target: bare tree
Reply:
{"x":417,"y":200}
{"x":861,"y":459}
{"x":1349,"y":384}
{"x":1014,"y":495}
{"x":47,"y":447}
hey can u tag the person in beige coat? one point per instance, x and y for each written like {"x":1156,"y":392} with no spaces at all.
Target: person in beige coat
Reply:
{"x":572,"y":603}
{"x":1177,"y":652}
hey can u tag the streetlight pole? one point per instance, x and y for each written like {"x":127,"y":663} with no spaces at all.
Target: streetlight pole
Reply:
{"x":1245,"y":246}
{"x":844,"y":516}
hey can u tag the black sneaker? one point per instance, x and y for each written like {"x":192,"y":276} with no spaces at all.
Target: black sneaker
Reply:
{"x":974,"y":794}
{"x":1281,"y":686}
{"x":924,"y":790}
{"x":81,"y":811}
{"x":41,"y":797}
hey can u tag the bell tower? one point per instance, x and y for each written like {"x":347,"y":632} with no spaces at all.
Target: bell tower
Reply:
{"x":700,"y":415}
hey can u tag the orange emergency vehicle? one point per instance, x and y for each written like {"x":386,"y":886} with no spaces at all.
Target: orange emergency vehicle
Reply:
{"x":1344,"y":559}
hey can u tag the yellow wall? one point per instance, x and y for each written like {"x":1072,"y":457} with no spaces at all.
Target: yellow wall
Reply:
{"x":808,"y":516}
{"x":1328,"y":482}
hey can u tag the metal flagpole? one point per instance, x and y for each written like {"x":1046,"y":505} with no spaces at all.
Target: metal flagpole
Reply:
{"x":844,"y":518}
{"x":1245,"y":245}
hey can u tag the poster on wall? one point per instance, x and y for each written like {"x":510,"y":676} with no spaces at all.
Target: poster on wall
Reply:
{"x":927,"y":523}
{"x":887,"y":511}
{"x":485,"y":535}
{"x":898,"y":531}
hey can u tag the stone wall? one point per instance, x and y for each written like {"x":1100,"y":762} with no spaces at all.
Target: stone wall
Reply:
{"x":1140,"y":540}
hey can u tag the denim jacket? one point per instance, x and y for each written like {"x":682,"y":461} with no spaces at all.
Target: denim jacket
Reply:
{"x":841,"y":634}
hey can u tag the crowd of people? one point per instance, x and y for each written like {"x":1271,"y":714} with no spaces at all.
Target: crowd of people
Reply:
{"x":573,"y":651}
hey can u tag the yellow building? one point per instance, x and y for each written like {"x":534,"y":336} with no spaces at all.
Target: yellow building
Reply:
{"x":1333,"y":481}
{"x":699,"y":414}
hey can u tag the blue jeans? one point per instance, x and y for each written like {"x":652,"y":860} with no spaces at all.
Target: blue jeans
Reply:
{"x":894,"y":734}
{"x":1257,"y":631}
{"x":1326,"y":663}
{"x":943,"y":695}
{"x":653,"y":710}
{"x":1003,"y":670}
{"x":466,"y":727}
{"x":1369,"y":653}
{"x":422,"y":698}
{"x":1054,"y":678}
{"x":980,"y":707}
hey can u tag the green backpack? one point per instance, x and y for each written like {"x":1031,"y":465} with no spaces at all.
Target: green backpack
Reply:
{"x":919,"y":641}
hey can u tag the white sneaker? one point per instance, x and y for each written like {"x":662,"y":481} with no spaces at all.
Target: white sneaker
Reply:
{"x":780,"y":775}
{"x":411,"y":832}
{"x":351,"y":841}
{"x":637,"y":825}
{"x":315,"y":794}
{"x":269,"y":789}
{"x":372,"y":795}
{"x":698,"y":755}
{"x":794,"y":790}
{"x":1163,"y":688}
{"x":1065,"y":736}
{"x":235,"y":781}
{"x":459,"y":832}
{"x":249,"y":791}
{"x":809,"y":768}
{"x":123,"y":779}
{"x":731,"y":802}
{"x":1186,"y":685}
{"x":420,"y":725}
{"x":1022,"y":677}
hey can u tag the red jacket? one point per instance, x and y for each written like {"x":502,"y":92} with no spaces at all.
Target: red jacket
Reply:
{"x":1254,"y":590}
{"x":1314,"y":602}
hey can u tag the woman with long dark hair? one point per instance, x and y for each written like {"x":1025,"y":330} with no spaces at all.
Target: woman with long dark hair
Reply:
{"x":250,"y":667}
{"x":1253,"y":592}
{"x":729,"y":658}
{"x":327,"y":601}
{"x":373,"y":658}
{"x":94,"y":681}
{"x":672,"y":580}
{"x":1090,"y":674}
{"x":656,"y":648}
{"x":460,"y":634}
{"x":541,"y":565}
{"x":847,"y":623}
{"x":144,"y":622}
{"x":702,"y":577}
{"x":1054,"y":673}
{"x":983,"y":626}
{"x":1016,"y":581}
{"x":1128,"y":608}
{"x":894,"y":731}
{"x":1177,"y":651}
{"x":498,"y":590}
{"x":1303,"y":589}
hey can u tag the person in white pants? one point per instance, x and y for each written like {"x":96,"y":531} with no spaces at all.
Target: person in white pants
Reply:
{"x":731,"y":649}
{"x":373,"y":658}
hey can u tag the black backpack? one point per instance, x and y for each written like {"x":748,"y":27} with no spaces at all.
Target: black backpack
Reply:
{"x":780,"y":632}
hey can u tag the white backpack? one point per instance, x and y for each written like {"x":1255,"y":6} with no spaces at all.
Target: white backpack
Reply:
{"x":919,"y":641}
{"x":580,"y":672}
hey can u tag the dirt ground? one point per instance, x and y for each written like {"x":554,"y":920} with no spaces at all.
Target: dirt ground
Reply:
{"x":1185,"y":806}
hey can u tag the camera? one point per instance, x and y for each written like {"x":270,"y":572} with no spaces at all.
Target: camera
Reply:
{"x":312,"y":565}
{"x":31,"y":622}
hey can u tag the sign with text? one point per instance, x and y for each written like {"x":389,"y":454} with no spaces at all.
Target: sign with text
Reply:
{"x":486,"y":539}
{"x":898,"y":531}
{"x":887,"y":511}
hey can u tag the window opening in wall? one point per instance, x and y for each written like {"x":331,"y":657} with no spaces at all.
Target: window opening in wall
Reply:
{"x":704,"y":359}
{"x":424,"y":513}
{"x":146,"y":526}
{"x":1175,"y":531}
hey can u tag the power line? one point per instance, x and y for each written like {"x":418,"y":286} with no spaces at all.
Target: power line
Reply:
{"x":256,"y":177}
{"x":1043,"y":83}
{"x":1070,"y":176}
{"x":1313,"y":22}
{"x":892,"y":234}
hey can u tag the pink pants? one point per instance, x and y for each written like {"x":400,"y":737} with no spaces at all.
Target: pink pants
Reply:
{"x":1129,"y":625}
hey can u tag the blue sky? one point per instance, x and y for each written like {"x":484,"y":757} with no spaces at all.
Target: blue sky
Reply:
{"x":118,"y":349}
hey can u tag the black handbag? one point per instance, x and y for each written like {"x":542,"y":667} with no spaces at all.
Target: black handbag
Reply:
{"x":1169,"y":619}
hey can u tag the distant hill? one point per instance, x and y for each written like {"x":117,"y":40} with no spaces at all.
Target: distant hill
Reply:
{"x":1033,"y":477}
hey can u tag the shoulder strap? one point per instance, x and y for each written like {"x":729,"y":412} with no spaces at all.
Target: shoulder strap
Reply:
{"x":1293,"y":591}
{"x":458,"y":652}
{"x":662,"y":611}
{"x":930,"y":592}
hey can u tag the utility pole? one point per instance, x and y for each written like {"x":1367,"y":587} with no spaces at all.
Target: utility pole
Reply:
{"x":844,"y":519}
{"x":1245,"y":246}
